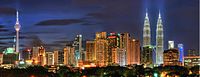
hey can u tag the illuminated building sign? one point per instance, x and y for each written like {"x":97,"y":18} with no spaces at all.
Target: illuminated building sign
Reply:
{"x":112,"y":37}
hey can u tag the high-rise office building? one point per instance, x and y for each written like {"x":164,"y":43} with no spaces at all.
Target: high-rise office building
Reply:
{"x":170,"y":44}
{"x":69,"y":57}
{"x":181,"y":51}
{"x":114,"y":56}
{"x":79,"y":54}
{"x":147,"y":56}
{"x":42,"y":56}
{"x":58,"y":57}
{"x":66,"y":55}
{"x":159,"y":41}
{"x":121,"y":56}
{"x":34,"y":55}
{"x":55,"y":57}
{"x":101,"y":49}
{"x":49,"y":58}
{"x":146,"y":31}
{"x":17,"y":28}
{"x":125,"y":46}
{"x":134,"y":53}
{"x":90,"y":52}
{"x":171,"y":57}
{"x":113,"y":44}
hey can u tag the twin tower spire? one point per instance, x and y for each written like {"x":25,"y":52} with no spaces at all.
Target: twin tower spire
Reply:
{"x":159,"y":37}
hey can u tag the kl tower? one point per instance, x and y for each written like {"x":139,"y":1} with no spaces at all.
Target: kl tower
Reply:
{"x":17,"y":28}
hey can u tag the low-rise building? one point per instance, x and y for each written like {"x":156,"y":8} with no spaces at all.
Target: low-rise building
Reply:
{"x":190,"y":61}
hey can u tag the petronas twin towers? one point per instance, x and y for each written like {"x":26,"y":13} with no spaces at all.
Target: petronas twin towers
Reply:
{"x":159,"y":37}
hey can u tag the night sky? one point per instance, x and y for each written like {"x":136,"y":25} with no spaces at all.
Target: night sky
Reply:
{"x":56,"y":21}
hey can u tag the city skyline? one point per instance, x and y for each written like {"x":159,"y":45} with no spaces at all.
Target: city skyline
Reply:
{"x":70,"y":22}
{"x":99,"y":38}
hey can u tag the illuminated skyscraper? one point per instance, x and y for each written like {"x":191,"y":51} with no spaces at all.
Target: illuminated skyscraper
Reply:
{"x":121,"y":58}
{"x":66,"y":55}
{"x":55,"y":57}
{"x":101,"y":49}
{"x":80,"y":46}
{"x":90,"y":53}
{"x":49,"y":58}
{"x":42,"y":56}
{"x":125,"y":47}
{"x":113,"y":44}
{"x":147,"y":56}
{"x":69,"y":58}
{"x":137,"y":52}
{"x":159,"y":41}
{"x":17,"y":28}
{"x":146,"y":31}
{"x":181,"y":51}
{"x":58,"y":57}
{"x":79,"y":54}
{"x":35,"y":53}
{"x":134,"y":54}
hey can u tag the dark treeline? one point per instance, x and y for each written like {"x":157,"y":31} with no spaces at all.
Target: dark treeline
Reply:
{"x":109,"y":71}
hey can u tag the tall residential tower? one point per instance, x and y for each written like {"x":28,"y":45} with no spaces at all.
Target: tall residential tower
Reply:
{"x":159,"y":41}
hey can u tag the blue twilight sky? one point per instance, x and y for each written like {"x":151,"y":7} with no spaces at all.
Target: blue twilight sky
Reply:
{"x":56,"y":21}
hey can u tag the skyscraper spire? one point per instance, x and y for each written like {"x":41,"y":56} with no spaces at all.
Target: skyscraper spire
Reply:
{"x":146,"y":13}
{"x":159,"y":16}
{"x":146,"y":31}
{"x":159,"y":41}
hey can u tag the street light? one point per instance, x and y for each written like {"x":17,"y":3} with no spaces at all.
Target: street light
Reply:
{"x":155,"y":75}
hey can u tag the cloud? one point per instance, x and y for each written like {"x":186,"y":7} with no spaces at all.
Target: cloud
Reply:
{"x":12,"y":37}
{"x":50,"y":47}
{"x":54,"y":45}
{"x":33,"y":32}
{"x":63,"y":42}
{"x":98,"y":15}
{"x":6,"y":38}
{"x":57,"y":22}
{"x":3,"y":29}
{"x":7,"y":10}
{"x":1,"y":26}
{"x":3,"y":43}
